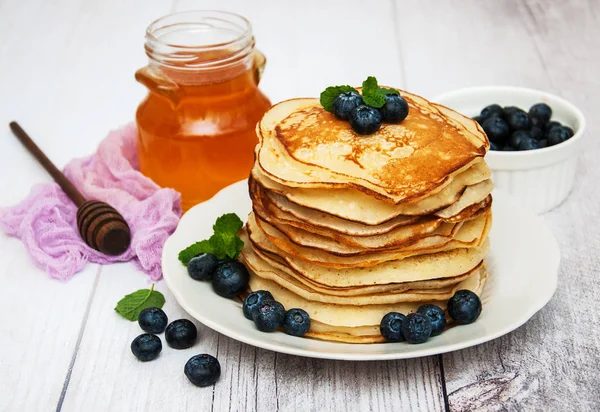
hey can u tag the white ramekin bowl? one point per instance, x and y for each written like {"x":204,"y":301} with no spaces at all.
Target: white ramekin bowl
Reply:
{"x":540,"y":178}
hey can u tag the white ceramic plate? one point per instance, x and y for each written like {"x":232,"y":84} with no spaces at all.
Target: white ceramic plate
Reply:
{"x":523,"y":265}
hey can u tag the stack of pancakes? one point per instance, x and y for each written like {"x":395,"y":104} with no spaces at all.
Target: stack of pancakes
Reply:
{"x":350,"y":227}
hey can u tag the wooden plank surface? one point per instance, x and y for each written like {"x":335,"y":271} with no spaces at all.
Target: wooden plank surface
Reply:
{"x":69,"y":79}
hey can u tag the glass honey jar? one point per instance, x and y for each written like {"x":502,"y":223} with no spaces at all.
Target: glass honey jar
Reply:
{"x":196,"y":127}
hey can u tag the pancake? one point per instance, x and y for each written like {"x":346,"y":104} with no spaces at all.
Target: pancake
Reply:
{"x":302,"y":145}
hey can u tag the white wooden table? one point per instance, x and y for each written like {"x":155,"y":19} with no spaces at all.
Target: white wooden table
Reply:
{"x":66,"y":73}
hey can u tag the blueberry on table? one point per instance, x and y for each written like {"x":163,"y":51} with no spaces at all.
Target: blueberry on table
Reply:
{"x":518,"y":120}
{"x":202,"y":370}
{"x":557,"y":135}
{"x":395,"y":109}
{"x":181,"y":334}
{"x":202,"y":266}
{"x":153,"y":320}
{"x":541,"y":112}
{"x":516,"y":137}
{"x":416,"y":328}
{"x":436,"y":316}
{"x":464,"y":307}
{"x":230,"y":279}
{"x":490,"y":111}
{"x":253,"y":300}
{"x":528,"y":143}
{"x":365,"y":119}
{"x":269,"y":316}
{"x":536,"y":132}
{"x":146,"y":347}
{"x":296,"y":322}
{"x":496,"y":129}
{"x":344,"y":103}
{"x":391,"y":327}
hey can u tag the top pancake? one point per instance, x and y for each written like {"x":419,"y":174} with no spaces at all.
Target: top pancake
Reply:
{"x":302,"y":145}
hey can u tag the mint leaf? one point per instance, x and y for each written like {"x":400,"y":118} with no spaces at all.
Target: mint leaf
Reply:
{"x":131,"y":305}
{"x":228,"y":223}
{"x":391,"y":91}
{"x":223,"y":243}
{"x":376,"y":100}
{"x":330,"y":93}
{"x":373,"y":95}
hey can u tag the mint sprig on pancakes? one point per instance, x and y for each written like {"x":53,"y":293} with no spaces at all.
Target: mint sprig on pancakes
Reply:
{"x":365,"y":111}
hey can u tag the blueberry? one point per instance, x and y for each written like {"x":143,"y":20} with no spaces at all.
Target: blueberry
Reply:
{"x":537,"y":133}
{"x":541,"y":112}
{"x":395,"y":109}
{"x":391,"y":327}
{"x":557,"y":135}
{"x":497,"y":130}
{"x":550,"y":125}
{"x":543,"y":143}
{"x":508,"y":110}
{"x":518,"y":120}
{"x":202,"y":370}
{"x":202,"y":266}
{"x":436,"y":316}
{"x":516,"y":137}
{"x":494,"y":146}
{"x":344,"y":103}
{"x":253,"y":300}
{"x":416,"y":328}
{"x":269,"y":316}
{"x":569,"y":130}
{"x":146,"y":347}
{"x":491,"y":110}
{"x":296,"y":322}
{"x":365,"y":119}
{"x":230,"y":278}
{"x":528,"y":143}
{"x":508,"y":148}
{"x":181,"y":334}
{"x":464,"y":307}
{"x":153,"y":320}
{"x":478,"y":119}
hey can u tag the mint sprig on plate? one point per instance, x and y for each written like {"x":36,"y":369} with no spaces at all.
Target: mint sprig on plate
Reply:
{"x":131,"y":305}
{"x":223,"y":243}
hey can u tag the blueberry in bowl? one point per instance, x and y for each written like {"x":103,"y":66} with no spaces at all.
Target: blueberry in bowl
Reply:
{"x":497,"y":129}
{"x":491,"y":111}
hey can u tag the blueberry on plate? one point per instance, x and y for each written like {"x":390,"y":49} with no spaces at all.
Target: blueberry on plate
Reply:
{"x":344,"y":103}
{"x":517,"y":137}
{"x":557,"y":135}
{"x":391,"y":327}
{"x":490,"y":111}
{"x":296,"y":322}
{"x":528,"y":143}
{"x":518,"y":120}
{"x":146,"y":347}
{"x":395,"y":109}
{"x":269,"y":316}
{"x":153,"y":320}
{"x":202,"y":370}
{"x":230,"y":278}
{"x":181,"y":334}
{"x":494,"y":146}
{"x":496,"y":129}
{"x":536,"y":132}
{"x":202,"y":266}
{"x":541,"y":112}
{"x":436,"y":316}
{"x":416,"y":328}
{"x":253,"y":300}
{"x":464,"y":307}
{"x":365,"y":119}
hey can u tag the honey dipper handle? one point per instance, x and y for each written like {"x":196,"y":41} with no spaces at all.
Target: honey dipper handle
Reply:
{"x":56,"y":174}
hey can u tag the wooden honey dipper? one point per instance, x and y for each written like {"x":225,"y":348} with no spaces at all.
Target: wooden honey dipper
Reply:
{"x":100,"y":225}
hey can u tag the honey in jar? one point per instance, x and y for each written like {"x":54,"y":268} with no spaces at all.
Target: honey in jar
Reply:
{"x":196,"y":127}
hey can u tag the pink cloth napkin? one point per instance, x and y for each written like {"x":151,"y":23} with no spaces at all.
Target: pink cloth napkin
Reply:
{"x":46,"y":220}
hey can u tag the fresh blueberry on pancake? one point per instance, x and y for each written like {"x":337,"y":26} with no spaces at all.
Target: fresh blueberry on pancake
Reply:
{"x":253,"y":301}
{"x":391,"y":327}
{"x":436,"y":316}
{"x":345,"y":103}
{"x":464,"y":307}
{"x":365,"y":120}
{"x":395,"y":109}
{"x":416,"y":328}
